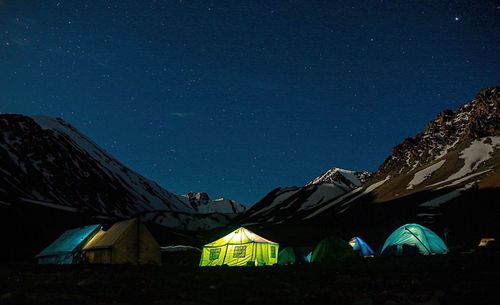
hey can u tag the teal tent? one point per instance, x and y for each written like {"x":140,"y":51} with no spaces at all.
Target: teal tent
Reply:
{"x":65,"y":249}
{"x":294,"y":255}
{"x":413,"y":239}
{"x":331,"y":249}
{"x":360,"y":247}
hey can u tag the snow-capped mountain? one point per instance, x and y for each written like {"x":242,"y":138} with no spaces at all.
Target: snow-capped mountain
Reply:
{"x":347,"y":178}
{"x":295,"y":203}
{"x":456,"y":155}
{"x":202,"y":203}
{"x":46,"y":161}
{"x":447,"y":177}
{"x":450,"y":131}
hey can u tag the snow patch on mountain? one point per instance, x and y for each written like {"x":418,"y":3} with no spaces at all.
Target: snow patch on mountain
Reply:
{"x":446,"y":149}
{"x":152,"y":195}
{"x":476,"y":154}
{"x":51,"y":205}
{"x":322,"y":192}
{"x":347,"y":178}
{"x":48,"y":162}
{"x":333,"y":203}
{"x":368,"y":190}
{"x":342,"y":198}
{"x":186,"y":221}
{"x":202,"y":203}
{"x":438,"y":201}
{"x":423,"y":174}
{"x":461,"y":180}
{"x":284,"y":195}
{"x":449,"y":130}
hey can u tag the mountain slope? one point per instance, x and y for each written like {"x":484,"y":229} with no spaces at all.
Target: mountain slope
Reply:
{"x":47,"y":162}
{"x":454,"y":150}
{"x":202,"y":203}
{"x":295,"y":203}
{"x":350,"y":179}
{"x":450,"y":131}
{"x":447,"y":177}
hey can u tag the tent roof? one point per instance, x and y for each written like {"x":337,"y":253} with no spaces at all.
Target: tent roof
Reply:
{"x":94,"y":240}
{"x":423,"y":238}
{"x":70,"y":241}
{"x":359,"y":244}
{"x":106,"y":239}
{"x":287,"y":251}
{"x":239,"y":236}
{"x":330,"y":249}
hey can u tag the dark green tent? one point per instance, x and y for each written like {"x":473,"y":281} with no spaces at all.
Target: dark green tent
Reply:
{"x":294,"y":255}
{"x":331,"y":249}
{"x":65,"y":249}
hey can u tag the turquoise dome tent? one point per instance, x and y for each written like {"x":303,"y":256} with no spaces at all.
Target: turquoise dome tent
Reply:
{"x":413,"y":239}
{"x":360,"y":247}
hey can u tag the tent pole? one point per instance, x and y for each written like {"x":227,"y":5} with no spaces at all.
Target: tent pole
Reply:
{"x":418,"y":240}
{"x":225,"y":252}
{"x":254,"y":258}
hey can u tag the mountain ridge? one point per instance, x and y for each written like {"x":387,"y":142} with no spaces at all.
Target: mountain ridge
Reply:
{"x":446,"y":177}
{"x":49,"y":162}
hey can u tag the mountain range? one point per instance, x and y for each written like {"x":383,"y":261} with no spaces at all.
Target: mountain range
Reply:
{"x":53,"y":176}
{"x":446,"y":177}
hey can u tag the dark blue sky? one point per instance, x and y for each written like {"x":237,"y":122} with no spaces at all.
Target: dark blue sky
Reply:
{"x":236,"y":98}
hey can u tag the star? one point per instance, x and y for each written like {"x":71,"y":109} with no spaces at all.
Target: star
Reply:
{"x":457,"y":18}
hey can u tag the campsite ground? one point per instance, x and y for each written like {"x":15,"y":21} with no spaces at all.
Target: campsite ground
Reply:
{"x":460,"y":279}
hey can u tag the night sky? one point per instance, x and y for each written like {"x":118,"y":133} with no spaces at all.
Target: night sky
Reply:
{"x":235,"y":98}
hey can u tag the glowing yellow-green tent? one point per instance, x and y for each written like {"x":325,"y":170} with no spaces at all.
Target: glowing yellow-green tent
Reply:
{"x":240,"y":248}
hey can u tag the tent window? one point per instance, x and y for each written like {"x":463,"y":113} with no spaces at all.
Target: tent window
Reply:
{"x":214,"y":254}
{"x":239,"y":251}
{"x":273,"y":252}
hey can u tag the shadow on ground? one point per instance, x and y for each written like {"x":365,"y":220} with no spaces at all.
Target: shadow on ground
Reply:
{"x":451,"y":279}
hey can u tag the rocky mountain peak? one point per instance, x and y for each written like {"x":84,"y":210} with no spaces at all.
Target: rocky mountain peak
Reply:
{"x":478,"y":119}
{"x":348,"y":178}
{"x":198,"y":196}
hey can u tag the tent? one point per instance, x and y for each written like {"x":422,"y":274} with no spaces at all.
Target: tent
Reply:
{"x":126,"y":242}
{"x":413,"y":239}
{"x":182,"y":255}
{"x":331,"y":249}
{"x":240,"y":248}
{"x":65,"y":249}
{"x":487,"y":242}
{"x":487,"y":245}
{"x":294,"y":255}
{"x":360,"y":247}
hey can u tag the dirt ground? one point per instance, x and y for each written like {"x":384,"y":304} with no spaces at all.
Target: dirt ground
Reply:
{"x":457,"y":279}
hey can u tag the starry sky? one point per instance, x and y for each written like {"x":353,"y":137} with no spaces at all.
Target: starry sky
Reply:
{"x":235,"y":98}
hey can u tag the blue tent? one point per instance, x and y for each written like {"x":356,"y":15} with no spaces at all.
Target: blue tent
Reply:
{"x":413,"y":239}
{"x":64,"y":249}
{"x":360,"y":247}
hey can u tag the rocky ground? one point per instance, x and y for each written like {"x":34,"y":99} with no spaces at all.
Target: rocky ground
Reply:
{"x":451,"y":279}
